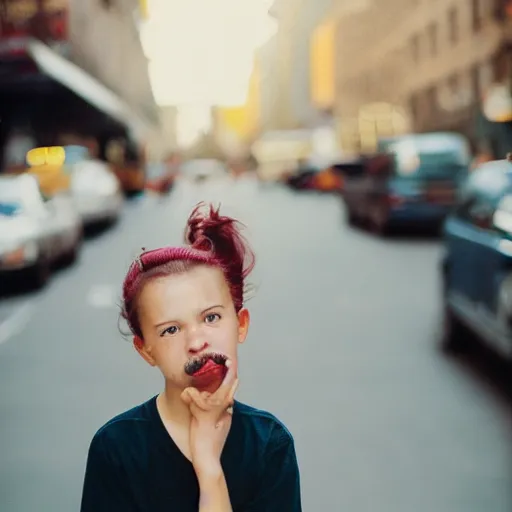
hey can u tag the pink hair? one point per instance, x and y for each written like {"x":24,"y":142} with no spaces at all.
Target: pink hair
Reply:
{"x":212,"y":240}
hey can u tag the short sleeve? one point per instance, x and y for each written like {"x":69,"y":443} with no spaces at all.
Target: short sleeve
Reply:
{"x":279,"y":489}
{"x":103,"y":489}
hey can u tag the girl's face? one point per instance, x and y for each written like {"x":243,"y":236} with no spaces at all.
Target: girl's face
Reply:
{"x":187,"y":315}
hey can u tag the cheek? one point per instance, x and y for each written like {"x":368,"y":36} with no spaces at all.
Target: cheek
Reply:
{"x":165,"y":352}
{"x":227,"y":335}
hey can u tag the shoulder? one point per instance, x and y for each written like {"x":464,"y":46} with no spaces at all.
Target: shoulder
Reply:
{"x":265,"y":425}
{"x":124,"y":426}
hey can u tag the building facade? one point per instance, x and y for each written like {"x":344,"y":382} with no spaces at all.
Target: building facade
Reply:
{"x":106,"y":43}
{"x":71,"y":66}
{"x":426,"y":62}
{"x":285,"y":65}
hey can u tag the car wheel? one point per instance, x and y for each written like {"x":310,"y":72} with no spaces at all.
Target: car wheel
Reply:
{"x":352,"y":218}
{"x":72,"y":255}
{"x":380,"y":221}
{"x":74,"y":252}
{"x":39,"y":275}
{"x":455,"y":337}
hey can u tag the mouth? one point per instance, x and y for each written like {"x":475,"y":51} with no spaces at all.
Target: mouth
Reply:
{"x":204,"y":363}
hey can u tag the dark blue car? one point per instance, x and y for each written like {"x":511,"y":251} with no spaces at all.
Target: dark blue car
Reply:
{"x":416,"y":187}
{"x":477,"y":265}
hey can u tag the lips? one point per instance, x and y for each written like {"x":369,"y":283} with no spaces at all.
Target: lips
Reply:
{"x":205,"y":364}
{"x":207,"y":371}
{"x":209,"y":366}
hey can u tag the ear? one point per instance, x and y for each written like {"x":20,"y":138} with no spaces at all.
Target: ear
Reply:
{"x":244,"y":319}
{"x":143,"y":350}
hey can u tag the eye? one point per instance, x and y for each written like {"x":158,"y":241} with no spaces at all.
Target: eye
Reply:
{"x":211,"y":318}
{"x":171,"y":331}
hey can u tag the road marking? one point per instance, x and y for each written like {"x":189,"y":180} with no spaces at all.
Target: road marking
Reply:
{"x":16,"y":322}
{"x":102,"y":297}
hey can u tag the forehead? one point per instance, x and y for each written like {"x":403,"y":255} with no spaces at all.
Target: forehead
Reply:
{"x":180,"y":294}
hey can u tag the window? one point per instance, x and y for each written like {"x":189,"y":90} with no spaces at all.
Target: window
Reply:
{"x":453,"y":25}
{"x":413,"y":105}
{"x":431,"y":97}
{"x":501,"y":66}
{"x":415,"y":48}
{"x":481,"y":192}
{"x":432,"y":37}
{"x":475,"y":83}
{"x":454,"y":85}
{"x":506,"y":7}
{"x":485,"y":75}
{"x":476,"y":15}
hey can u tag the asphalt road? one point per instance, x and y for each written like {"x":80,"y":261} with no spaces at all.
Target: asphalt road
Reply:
{"x":342,"y":348}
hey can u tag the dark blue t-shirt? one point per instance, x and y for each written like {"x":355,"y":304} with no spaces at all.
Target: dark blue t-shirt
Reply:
{"x":135,"y":466}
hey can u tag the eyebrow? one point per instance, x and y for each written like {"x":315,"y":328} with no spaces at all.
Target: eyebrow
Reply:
{"x":162,"y":324}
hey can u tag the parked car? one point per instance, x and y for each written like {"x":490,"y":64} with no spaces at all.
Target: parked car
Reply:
{"x":94,"y":186}
{"x":316,"y":175}
{"x":477,"y":264}
{"x":34,"y":232}
{"x":301,"y":178}
{"x":161,"y":176}
{"x":413,"y":180}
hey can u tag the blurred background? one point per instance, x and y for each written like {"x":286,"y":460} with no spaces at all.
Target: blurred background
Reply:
{"x":364,"y":144}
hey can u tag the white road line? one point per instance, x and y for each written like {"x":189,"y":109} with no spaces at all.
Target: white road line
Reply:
{"x":16,"y":322}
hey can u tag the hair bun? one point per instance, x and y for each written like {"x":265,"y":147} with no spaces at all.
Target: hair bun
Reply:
{"x":204,"y":228}
{"x":207,"y":230}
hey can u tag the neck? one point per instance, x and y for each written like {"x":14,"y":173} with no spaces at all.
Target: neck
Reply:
{"x":171,"y":406}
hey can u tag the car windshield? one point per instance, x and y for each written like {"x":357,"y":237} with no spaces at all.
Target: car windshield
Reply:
{"x":439,"y":159}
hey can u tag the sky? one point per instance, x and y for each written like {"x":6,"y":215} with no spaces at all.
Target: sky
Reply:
{"x":201,"y":54}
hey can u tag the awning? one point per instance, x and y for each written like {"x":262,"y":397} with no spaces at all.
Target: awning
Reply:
{"x":87,"y":87}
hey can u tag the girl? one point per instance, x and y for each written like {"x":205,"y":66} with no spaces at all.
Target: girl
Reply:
{"x":192,"y":447}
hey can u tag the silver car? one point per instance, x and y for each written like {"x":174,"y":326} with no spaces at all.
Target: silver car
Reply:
{"x":94,"y":186}
{"x":35,"y":233}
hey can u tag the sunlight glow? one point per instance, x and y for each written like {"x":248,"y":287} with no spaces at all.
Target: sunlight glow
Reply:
{"x":201,"y":51}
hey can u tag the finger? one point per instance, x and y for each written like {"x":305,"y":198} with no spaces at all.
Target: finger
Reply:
{"x":192,"y":396}
{"x":230,"y":378}
{"x":200,"y":398}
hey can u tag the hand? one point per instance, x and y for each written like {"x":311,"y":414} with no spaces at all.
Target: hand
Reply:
{"x":211,"y":421}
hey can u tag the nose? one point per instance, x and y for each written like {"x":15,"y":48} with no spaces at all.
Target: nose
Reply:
{"x":197,"y":344}
{"x":198,"y":347}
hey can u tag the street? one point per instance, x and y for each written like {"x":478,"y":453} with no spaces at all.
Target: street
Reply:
{"x":342,"y":349}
